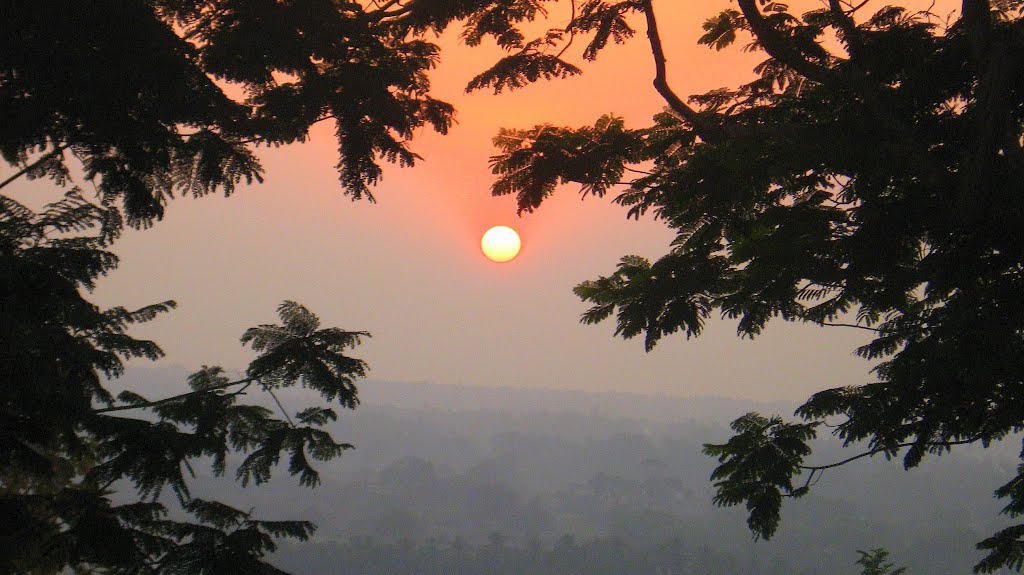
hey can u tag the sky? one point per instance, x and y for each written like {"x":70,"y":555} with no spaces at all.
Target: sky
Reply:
{"x":409,"y":270}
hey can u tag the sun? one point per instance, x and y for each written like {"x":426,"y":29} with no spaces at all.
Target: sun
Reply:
{"x":500,"y":244}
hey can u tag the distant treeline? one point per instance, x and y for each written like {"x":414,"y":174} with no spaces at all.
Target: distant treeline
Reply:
{"x":481,"y":489}
{"x":600,"y":556}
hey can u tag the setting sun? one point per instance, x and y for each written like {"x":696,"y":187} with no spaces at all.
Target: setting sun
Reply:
{"x":500,"y":244}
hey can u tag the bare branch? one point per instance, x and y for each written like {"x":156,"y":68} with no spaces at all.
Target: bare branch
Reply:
{"x":819,"y":468}
{"x":636,"y":171}
{"x":708,"y":132}
{"x":570,"y":28}
{"x":279,"y":406}
{"x":174,"y":398}
{"x":831,"y":324}
{"x":46,"y":157}
{"x":853,"y":9}
{"x":381,"y":10}
{"x":779,"y":47}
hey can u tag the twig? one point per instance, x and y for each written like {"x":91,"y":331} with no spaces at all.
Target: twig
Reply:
{"x":35,"y":164}
{"x":636,"y":171}
{"x":876,"y":451}
{"x":853,"y":8}
{"x":279,"y":406}
{"x":570,"y":28}
{"x":174,"y":398}
{"x":707,"y":131}
{"x":831,"y":324}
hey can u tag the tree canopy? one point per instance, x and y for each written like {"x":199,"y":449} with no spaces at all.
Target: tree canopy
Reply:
{"x":869,"y":176}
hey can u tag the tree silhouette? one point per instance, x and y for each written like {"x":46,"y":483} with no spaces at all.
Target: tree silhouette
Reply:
{"x":137,"y":93}
{"x":147,"y":102}
{"x":870,"y":177}
{"x":67,"y":440}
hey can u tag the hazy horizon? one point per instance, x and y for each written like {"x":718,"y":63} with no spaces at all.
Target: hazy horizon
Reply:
{"x":434,"y":463}
{"x":161,"y":381}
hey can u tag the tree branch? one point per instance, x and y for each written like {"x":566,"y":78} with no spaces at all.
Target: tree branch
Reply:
{"x":976,"y":16}
{"x":780,"y":47}
{"x":46,"y":157}
{"x":856,"y":8}
{"x":570,"y":28}
{"x":707,"y":131}
{"x":995,"y":129}
{"x":175,"y":397}
{"x":279,"y":406}
{"x":819,"y":468}
{"x":831,"y":324}
{"x":382,"y":7}
{"x":247,"y":381}
{"x":848,"y":27}
{"x":381,"y":13}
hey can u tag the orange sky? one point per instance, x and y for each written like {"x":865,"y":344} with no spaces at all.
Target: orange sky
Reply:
{"x":410,"y":271}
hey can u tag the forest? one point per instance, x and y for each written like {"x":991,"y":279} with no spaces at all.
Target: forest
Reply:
{"x":475,"y":480}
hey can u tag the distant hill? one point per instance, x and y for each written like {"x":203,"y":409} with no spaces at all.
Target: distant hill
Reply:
{"x":159,"y":381}
{"x":441,"y":472}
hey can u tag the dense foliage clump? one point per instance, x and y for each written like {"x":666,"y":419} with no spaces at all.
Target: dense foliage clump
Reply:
{"x":870,"y":176}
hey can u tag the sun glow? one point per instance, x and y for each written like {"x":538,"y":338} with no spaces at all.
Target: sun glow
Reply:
{"x":500,"y":244}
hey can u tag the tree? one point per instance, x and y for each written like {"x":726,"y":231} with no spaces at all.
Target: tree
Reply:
{"x":146,"y":102}
{"x":67,"y":444}
{"x":66,"y":441}
{"x":870,"y":177}
{"x":141,"y":100}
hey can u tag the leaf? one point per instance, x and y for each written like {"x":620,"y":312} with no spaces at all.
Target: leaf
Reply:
{"x":317,"y":416}
{"x":215,"y":513}
{"x":720,"y":31}
{"x":1006,"y":550}
{"x":757,"y":466}
{"x":520,"y":69}
{"x":207,"y":377}
{"x":607,"y":22}
{"x":299,"y":352}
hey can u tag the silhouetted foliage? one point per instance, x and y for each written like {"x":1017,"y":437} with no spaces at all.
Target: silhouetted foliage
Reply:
{"x":134,"y":93}
{"x":147,"y":102}
{"x":875,"y":562}
{"x":133,"y":98}
{"x":874,"y":181}
{"x":66,"y":443}
{"x":877,"y":184}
